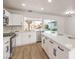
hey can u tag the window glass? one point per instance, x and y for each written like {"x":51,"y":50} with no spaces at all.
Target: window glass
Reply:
{"x":36,"y":25}
{"x":50,"y":25}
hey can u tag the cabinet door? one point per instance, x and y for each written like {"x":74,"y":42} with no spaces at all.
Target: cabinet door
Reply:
{"x":19,"y":40}
{"x":19,"y":19}
{"x":52,"y":50}
{"x":16,"y":19}
{"x":47,"y":46}
{"x":44,"y":44}
{"x":43,"y":41}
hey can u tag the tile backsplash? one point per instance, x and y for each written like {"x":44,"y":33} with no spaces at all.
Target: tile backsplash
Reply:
{"x":12,"y":28}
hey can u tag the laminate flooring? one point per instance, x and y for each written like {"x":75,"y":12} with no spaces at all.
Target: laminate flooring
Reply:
{"x":31,"y":51}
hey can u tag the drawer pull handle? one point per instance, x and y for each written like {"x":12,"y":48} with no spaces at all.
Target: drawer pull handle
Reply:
{"x":61,"y":48}
{"x":54,"y":52}
{"x":51,"y":42}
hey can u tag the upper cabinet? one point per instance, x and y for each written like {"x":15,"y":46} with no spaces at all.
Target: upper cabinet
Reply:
{"x":13,"y":19}
{"x":6,"y":16}
{"x":16,"y":19}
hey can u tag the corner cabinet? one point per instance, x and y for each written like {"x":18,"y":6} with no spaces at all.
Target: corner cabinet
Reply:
{"x":16,"y":19}
{"x":54,"y":50}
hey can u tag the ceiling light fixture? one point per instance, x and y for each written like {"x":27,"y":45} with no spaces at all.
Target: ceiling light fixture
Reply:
{"x":49,"y":1}
{"x":42,"y":8}
{"x":69,"y":12}
{"x":23,"y":4}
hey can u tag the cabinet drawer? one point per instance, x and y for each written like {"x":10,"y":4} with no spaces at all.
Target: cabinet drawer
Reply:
{"x":62,"y":53}
{"x":62,"y":48}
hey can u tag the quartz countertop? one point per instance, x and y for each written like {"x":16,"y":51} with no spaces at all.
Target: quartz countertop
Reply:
{"x":61,"y":39}
{"x":6,"y":36}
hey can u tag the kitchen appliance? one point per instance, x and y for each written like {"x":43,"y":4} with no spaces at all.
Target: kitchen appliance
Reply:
{"x":6,"y":48}
{"x":9,"y":44}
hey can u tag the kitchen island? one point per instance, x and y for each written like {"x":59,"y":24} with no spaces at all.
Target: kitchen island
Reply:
{"x":58,"y":46}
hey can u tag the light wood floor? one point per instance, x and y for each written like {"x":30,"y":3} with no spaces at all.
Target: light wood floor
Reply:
{"x":32,"y":51}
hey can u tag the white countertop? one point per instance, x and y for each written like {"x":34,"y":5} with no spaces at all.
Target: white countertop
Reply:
{"x":62,"y":39}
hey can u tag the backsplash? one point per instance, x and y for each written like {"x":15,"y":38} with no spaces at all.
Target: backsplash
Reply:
{"x":12,"y":28}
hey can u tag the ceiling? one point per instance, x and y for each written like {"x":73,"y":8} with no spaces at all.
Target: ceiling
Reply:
{"x":55,"y":7}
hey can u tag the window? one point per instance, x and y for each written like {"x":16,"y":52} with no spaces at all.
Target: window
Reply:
{"x":50,"y":25}
{"x":32,"y":25}
{"x":36,"y":25}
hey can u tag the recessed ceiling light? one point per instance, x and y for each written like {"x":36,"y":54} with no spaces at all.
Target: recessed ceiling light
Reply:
{"x":49,"y":1}
{"x":42,"y":8}
{"x":23,"y":4}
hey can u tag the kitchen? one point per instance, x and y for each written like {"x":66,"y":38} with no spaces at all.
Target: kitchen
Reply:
{"x":39,"y":29}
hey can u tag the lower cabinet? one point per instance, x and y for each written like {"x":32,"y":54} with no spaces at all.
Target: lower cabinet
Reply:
{"x":54,"y":50}
{"x":24,"y":38}
{"x":44,"y":43}
{"x":49,"y":47}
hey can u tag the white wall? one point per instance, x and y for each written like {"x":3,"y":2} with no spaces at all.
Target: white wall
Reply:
{"x":70,"y":25}
{"x":60,"y":19}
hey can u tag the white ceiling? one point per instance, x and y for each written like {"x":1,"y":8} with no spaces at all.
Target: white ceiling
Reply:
{"x":56,"y":7}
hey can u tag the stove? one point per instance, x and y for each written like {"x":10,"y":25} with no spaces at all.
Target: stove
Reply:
{"x":7,"y":46}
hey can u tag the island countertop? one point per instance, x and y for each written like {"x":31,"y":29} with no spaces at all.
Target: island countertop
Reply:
{"x":61,"y":39}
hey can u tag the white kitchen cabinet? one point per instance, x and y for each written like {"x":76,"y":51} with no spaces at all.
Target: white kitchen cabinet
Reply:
{"x":48,"y":49}
{"x":18,"y":39}
{"x":51,"y":49}
{"x":24,"y":38}
{"x":44,"y":43}
{"x":55,"y":50}
{"x":16,"y":19}
{"x":47,"y":46}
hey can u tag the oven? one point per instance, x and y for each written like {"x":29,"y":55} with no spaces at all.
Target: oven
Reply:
{"x":9,"y":43}
{"x":6,"y":48}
